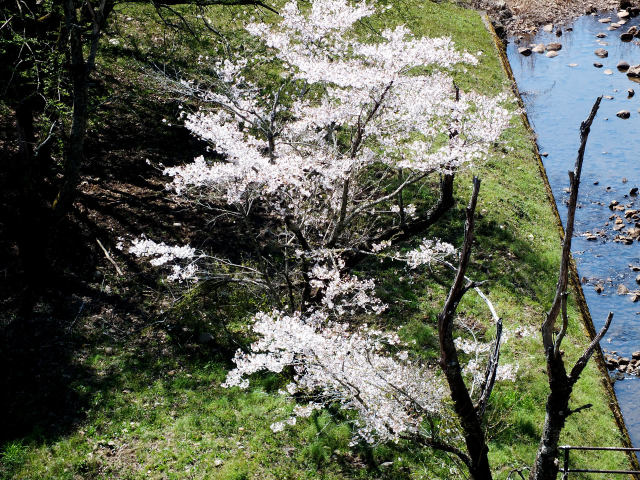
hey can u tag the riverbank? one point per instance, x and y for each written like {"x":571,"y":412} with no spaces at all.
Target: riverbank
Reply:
{"x":151,"y":405}
{"x":517,"y":17}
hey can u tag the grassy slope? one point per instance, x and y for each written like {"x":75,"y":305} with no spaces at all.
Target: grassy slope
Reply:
{"x":162,"y":414}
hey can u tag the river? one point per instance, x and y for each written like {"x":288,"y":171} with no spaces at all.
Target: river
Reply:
{"x":558,"y":94}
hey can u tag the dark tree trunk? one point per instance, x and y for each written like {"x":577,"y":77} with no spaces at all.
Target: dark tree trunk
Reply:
{"x":74,"y":151}
{"x":546,"y":465}
{"x":470,"y":421}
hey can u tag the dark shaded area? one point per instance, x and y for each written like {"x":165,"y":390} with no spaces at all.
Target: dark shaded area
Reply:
{"x":52,"y":271}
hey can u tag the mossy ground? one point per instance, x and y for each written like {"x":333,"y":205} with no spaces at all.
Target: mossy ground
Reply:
{"x":152,"y":403}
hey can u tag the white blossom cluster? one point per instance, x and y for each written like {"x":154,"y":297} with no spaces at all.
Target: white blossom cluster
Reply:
{"x":428,"y":252}
{"x":343,"y":293}
{"x":163,"y":254}
{"x":292,"y":155}
{"x":332,"y":364}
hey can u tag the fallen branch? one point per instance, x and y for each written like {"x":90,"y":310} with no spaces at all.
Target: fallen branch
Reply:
{"x":106,"y":254}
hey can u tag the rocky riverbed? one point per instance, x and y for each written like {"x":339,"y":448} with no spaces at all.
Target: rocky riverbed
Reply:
{"x":518,"y":17}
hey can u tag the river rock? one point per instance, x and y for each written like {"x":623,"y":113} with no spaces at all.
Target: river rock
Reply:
{"x":636,"y":355}
{"x":602,"y":53}
{"x":608,"y":71}
{"x":634,"y":191}
{"x":526,"y":51}
{"x":539,"y":48}
{"x":630,"y":93}
{"x":601,"y":35}
{"x":623,"y":66}
{"x":635,"y":297}
{"x":554,"y":47}
{"x":634,"y":71}
{"x":623,"y":361}
{"x":597,"y":64}
{"x":599,"y":288}
{"x":626,"y":37}
{"x":608,"y":97}
{"x":621,"y":21}
{"x":552,"y":54}
{"x":633,"y":30}
{"x":558,"y":33}
{"x":605,"y":20}
{"x":638,"y":279}
{"x":623,"y":14}
{"x":611,"y":362}
{"x":573,"y":64}
{"x":548,"y":27}
{"x":623,"y":114}
{"x":622,"y":289}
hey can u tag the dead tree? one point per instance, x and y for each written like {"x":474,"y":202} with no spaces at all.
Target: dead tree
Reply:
{"x":469,"y":414}
{"x":560,"y":383}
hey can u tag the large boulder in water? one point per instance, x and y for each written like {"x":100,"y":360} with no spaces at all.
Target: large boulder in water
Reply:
{"x":634,"y":71}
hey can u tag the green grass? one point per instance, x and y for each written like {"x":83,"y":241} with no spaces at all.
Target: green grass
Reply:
{"x":160,"y":412}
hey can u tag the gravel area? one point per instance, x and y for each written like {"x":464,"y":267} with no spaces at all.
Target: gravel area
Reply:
{"x":517,"y":17}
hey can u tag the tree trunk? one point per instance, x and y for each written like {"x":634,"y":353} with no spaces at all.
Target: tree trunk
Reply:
{"x":471,"y":426}
{"x":74,"y":151}
{"x":546,"y":465}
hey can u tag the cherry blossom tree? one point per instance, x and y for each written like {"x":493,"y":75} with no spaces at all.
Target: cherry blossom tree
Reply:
{"x":326,"y":156}
{"x":322,"y":168}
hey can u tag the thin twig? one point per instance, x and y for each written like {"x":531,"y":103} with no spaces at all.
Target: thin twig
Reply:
{"x":106,"y":254}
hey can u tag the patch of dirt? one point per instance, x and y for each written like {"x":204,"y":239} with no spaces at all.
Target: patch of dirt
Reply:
{"x":519,"y":17}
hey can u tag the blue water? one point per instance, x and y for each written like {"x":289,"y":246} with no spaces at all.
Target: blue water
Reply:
{"x":558,"y":97}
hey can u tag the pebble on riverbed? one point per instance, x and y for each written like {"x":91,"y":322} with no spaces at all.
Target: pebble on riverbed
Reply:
{"x":601,"y":52}
{"x":624,"y":114}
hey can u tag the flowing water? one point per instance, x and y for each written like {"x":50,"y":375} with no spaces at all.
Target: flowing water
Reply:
{"x":559,"y":93}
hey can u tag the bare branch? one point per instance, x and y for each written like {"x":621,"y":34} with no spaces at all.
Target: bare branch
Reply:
{"x":445,"y":447}
{"x":490,"y":376}
{"x":582,"y":361}
{"x":574,"y":177}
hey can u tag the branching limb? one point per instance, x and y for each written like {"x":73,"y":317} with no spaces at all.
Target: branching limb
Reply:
{"x":561,"y":288}
{"x":582,"y":361}
{"x":490,"y":376}
{"x":444,"y":447}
